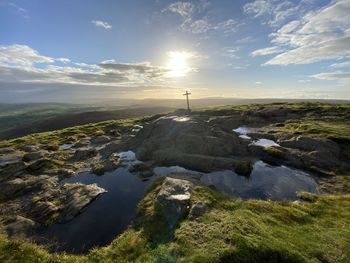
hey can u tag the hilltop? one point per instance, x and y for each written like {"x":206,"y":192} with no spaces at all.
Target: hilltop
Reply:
{"x":191,"y":163}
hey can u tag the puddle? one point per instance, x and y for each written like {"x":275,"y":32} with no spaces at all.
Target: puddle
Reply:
{"x":265,"y":182}
{"x":65,"y":146}
{"x":243,"y":132}
{"x":265,"y":143}
{"x":105,"y":218}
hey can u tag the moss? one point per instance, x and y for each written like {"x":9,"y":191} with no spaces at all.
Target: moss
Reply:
{"x":243,"y":167}
{"x":275,"y":152}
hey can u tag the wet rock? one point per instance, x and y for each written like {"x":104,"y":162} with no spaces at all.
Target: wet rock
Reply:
{"x":64,"y":203}
{"x":61,"y":173}
{"x":139,"y":167}
{"x":101,"y":139}
{"x":32,"y":156}
{"x":21,"y":226}
{"x":197,"y":210}
{"x":174,"y":199}
{"x":107,"y":165}
{"x":84,"y":153}
{"x":110,"y":149}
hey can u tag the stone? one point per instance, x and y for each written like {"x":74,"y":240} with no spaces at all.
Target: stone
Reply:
{"x":7,"y":150}
{"x":20,"y":186}
{"x":107,"y":165}
{"x":174,"y":199}
{"x":110,"y":149}
{"x":30,"y":148}
{"x":82,"y":143}
{"x":33,"y":156}
{"x":41,"y":165}
{"x":21,"y":226}
{"x":84,"y":154}
{"x":197,"y":210}
{"x":62,"y":203}
{"x":101,"y":139}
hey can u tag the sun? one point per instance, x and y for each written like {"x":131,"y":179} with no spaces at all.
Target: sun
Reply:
{"x":178,"y":63}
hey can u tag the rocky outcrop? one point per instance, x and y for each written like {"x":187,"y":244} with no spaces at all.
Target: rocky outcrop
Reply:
{"x":197,"y":210}
{"x":63,"y":203}
{"x":101,"y":139}
{"x":84,"y":153}
{"x":174,"y":199}
{"x":33,"y":156}
{"x":182,"y":140}
{"x":20,"y":186}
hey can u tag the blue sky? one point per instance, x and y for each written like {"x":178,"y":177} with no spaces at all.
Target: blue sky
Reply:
{"x":84,"y":49}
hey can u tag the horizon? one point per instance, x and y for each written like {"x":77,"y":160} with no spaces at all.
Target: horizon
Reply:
{"x":89,"y":52}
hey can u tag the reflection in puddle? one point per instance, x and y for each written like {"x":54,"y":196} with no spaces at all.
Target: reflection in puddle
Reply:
{"x":103,"y":219}
{"x":163,"y":171}
{"x":265,"y":182}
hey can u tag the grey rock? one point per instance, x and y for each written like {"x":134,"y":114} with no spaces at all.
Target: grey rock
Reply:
{"x":82,"y":143}
{"x":33,"y":156}
{"x":101,"y":139}
{"x":197,"y":210}
{"x":30,"y":148}
{"x":84,"y":153}
{"x":174,"y":199}
{"x":7,"y":150}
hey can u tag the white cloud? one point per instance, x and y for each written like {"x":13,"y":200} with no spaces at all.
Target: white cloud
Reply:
{"x":257,"y":82}
{"x":345,"y":64}
{"x":184,"y":9}
{"x":63,"y":60}
{"x":21,"y":55}
{"x":339,"y":75}
{"x":102,"y":24}
{"x":266,"y":51}
{"x":194,"y":22}
{"x":21,"y":11}
{"x":320,"y":35}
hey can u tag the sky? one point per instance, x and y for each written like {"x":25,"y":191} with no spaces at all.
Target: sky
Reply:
{"x":86,"y":50}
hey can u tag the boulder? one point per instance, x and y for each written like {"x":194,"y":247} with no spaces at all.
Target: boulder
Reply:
{"x":106,"y":165}
{"x":174,"y":199}
{"x":12,"y":170}
{"x":111,"y":148}
{"x":82,"y":143}
{"x":84,"y":153}
{"x":33,"y":156}
{"x":101,"y":139}
{"x":30,"y":148}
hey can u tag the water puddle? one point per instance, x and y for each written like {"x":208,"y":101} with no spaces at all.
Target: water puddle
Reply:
{"x":163,"y":171}
{"x":265,"y":143}
{"x":265,"y":182}
{"x":106,"y":217}
{"x":243,"y":132}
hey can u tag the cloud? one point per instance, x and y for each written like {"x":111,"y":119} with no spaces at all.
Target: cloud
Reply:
{"x":195,"y":22}
{"x":339,"y":75}
{"x":103,"y":24}
{"x":184,"y":9}
{"x":320,"y":35}
{"x":21,"y":11}
{"x":266,"y":51}
{"x":21,"y":55}
{"x":18,"y":65}
{"x":345,"y":64}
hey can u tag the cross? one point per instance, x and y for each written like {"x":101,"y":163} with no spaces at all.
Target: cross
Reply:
{"x":188,"y":102}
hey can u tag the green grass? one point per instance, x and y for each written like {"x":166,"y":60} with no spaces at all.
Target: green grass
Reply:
{"x":232,"y":230}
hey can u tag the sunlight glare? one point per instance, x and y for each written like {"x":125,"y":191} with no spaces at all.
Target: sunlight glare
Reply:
{"x":178,"y":63}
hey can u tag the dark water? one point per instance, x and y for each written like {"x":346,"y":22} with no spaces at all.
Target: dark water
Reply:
{"x":103,"y":219}
{"x":265,"y":182}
